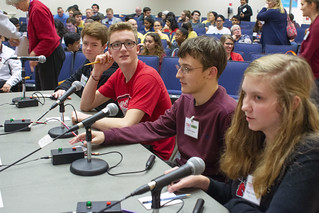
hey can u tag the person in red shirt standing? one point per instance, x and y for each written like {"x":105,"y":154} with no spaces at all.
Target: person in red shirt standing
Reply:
{"x":43,"y":40}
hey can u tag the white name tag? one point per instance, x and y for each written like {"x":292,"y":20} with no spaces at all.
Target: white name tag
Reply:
{"x":249,"y":193}
{"x":306,"y":36}
{"x":191,"y":127}
{"x":84,"y":80}
{"x":244,"y":10}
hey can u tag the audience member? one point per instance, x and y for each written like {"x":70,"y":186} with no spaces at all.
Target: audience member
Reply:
{"x":15,"y":21}
{"x":237,"y":36}
{"x":196,"y":20}
{"x":138,"y":12}
{"x":95,"y":9}
{"x":110,"y":19}
{"x":72,"y":42}
{"x":199,"y":118}
{"x":228,"y":42}
{"x":185,"y":16}
{"x":71,"y":25}
{"x":257,"y":31}
{"x":10,"y":70}
{"x":189,"y":28}
{"x":137,"y":87}
{"x":61,"y":16}
{"x":88,"y":21}
{"x":146,"y":13}
{"x":275,"y":26}
{"x":244,"y":11}
{"x":97,"y":19}
{"x":140,"y":36}
{"x":43,"y":40}
{"x":153,"y":46}
{"x":88,"y":14}
{"x":291,"y":16}
{"x":211,"y":19}
{"x":310,"y":45}
{"x":94,"y":37}
{"x":148,"y":25}
{"x":219,"y":29}
{"x":60,"y":29}
{"x":272,"y":146}
{"x":180,"y":36}
{"x":70,"y":11}
{"x":79,"y":23}
{"x":171,"y":26}
{"x":235,"y":20}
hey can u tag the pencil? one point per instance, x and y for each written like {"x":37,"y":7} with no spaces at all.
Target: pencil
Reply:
{"x":95,"y":62}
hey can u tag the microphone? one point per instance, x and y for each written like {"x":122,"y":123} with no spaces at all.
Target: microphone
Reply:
{"x":41,"y":59}
{"x":194,"y":166}
{"x":76,"y":86}
{"x":110,"y":110}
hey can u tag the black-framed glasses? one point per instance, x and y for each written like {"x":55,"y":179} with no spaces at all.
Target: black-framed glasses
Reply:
{"x":118,"y":45}
{"x":186,"y":70}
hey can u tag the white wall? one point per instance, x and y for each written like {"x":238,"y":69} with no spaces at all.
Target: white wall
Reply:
{"x":128,"y":6}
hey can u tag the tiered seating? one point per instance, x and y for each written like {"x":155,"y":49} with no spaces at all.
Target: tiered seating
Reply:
{"x":271,"y":49}
{"x":248,"y":49}
{"x":168,"y":74}
{"x":67,"y":67}
{"x":152,"y":61}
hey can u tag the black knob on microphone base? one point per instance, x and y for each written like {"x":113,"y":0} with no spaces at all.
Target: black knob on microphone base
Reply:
{"x":83,"y":167}
{"x":57,"y":131}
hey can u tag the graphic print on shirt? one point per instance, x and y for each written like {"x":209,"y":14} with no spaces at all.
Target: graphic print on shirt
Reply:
{"x":123,"y":101}
{"x":241,"y":189}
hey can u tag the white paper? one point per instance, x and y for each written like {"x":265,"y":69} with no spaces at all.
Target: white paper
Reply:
{"x":57,"y":119}
{"x":163,"y":195}
{"x":45,"y":141}
{"x":1,"y":202}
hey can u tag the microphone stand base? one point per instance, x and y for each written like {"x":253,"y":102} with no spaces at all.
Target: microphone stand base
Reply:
{"x":25,"y":102}
{"x":57,"y":131}
{"x":83,"y":167}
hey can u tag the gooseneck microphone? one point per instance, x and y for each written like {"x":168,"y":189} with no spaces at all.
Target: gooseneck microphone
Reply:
{"x":41,"y":59}
{"x":110,"y":110}
{"x":76,"y":86}
{"x":194,"y":166}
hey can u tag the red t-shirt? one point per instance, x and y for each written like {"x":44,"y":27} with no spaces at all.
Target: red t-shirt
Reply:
{"x":236,"y":57}
{"x":144,"y":91}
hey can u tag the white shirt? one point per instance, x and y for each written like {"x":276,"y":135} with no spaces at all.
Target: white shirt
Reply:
{"x":214,"y":30}
{"x":14,"y":76}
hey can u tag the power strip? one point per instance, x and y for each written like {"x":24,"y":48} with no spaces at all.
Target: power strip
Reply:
{"x":96,"y":206}
{"x":17,"y":124}
{"x":66,"y":155}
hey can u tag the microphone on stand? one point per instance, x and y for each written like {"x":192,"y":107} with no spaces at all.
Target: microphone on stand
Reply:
{"x":41,"y":59}
{"x":60,"y":130}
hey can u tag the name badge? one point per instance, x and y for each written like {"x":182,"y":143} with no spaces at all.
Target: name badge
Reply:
{"x":244,"y":10}
{"x":84,"y":80}
{"x":191,"y":127}
{"x":306,"y":36}
{"x":249,"y":193}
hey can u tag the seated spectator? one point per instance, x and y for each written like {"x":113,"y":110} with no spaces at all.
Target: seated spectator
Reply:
{"x":189,"y":28}
{"x":88,"y":14}
{"x":164,"y":16}
{"x":180,"y":36}
{"x":153,"y":46}
{"x":61,"y":16}
{"x":171,"y":26}
{"x":79,"y":23}
{"x":196,"y":20}
{"x":10,"y":70}
{"x":219,"y":29}
{"x":148,"y":25}
{"x":72,"y":42}
{"x":71,"y":25}
{"x":235,"y":20}
{"x":95,"y":9}
{"x":70,"y":12}
{"x":158,"y":29}
{"x":140,"y":36}
{"x":291,"y":16}
{"x":88,"y":21}
{"x":211,"y":19}
{"x":94,"y":37}
{"x":257,"y":31}
{"x":238,"y":37}
{"x":15,"y":21}
{"x":97,"y":19}
{"x":60,"y":29}
{"x":110,"y":19}
{"x":228,"y":42}
{"x":138,"y":12}
{"x":203,"y":105}
{"x":146,"y":13}
{"x":185,"y":16}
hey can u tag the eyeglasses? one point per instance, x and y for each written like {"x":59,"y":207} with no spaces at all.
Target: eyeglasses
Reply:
{"x":230,"y":44}
{"x":118,"y":45}
{"x":186,"y":70}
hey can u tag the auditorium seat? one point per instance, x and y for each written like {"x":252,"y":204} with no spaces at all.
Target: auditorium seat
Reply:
{"x":232,"y":76}
{"x":254,"y":56}
{"x":300,"y":35}
{"x":150,"y":60}
{"x":168,"y":74}
{"x":67,"y":67}
{"x":78,"y":61}
{"x":271,"y":49}
{"x":248,"y":49}
{"x":29,"y":76}
{"x":200,"y":31}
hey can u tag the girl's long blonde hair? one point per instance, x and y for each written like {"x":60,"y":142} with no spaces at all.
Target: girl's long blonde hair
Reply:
{"x":246,"y":151}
